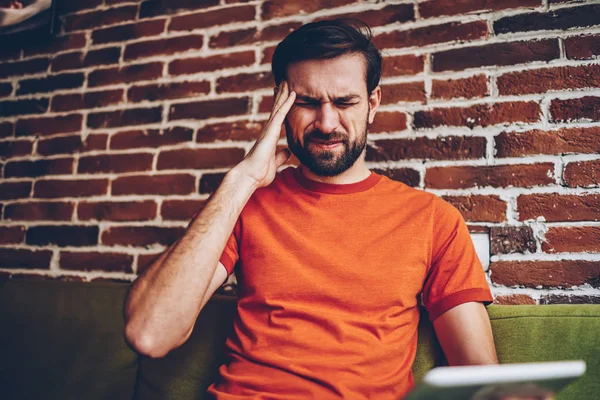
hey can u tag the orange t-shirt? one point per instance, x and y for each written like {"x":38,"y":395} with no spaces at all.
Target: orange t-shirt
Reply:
{"x":329,"y":280}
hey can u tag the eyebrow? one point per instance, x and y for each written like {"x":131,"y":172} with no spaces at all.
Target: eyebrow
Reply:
{"x":342,"y":99}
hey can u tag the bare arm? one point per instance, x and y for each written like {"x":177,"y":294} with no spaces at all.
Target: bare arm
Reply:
{"x":465,"y":334}
{"x":164,"y":302}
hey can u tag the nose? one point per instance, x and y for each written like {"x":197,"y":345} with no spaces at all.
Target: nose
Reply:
{"x":327,"y":118}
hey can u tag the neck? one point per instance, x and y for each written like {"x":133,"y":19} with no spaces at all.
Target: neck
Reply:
{"x":355,"y":173}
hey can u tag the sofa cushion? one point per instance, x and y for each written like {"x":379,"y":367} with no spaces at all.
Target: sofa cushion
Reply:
{"x":64,"y":340}
{"x":551,"y":333}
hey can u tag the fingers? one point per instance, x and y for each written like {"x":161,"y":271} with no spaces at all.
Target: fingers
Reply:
{"x":279,"y":115}
{"x":282,"y":94}
{"x":282,"y":156}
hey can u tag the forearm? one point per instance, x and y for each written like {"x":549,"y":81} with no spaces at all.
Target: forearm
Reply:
{"x":164,"y":302}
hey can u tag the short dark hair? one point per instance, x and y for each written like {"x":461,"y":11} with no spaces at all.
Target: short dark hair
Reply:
{"x":329,"y":39}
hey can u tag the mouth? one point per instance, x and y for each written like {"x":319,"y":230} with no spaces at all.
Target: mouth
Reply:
{"x":326,"y":144}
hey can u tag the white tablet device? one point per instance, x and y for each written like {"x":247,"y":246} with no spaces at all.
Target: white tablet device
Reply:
{"x":478,"y":382}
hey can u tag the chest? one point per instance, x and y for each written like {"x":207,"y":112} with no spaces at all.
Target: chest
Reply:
{"x":369,"y":260}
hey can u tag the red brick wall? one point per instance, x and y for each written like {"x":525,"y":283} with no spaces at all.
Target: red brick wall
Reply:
{"x":112,"y":136}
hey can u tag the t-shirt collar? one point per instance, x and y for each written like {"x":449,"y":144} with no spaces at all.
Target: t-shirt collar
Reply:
{"x":333,"y":188}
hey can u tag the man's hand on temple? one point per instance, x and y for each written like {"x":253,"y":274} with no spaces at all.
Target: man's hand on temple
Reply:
{"x":262,"y":161}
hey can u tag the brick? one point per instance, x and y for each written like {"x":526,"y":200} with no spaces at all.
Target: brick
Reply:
{"x":583,"y":108}
{"x":479,"y":115}
{"x":199,"y":158}
{"x":15,"y":148}
{"x":23,"y":107}
{"x":14,"y":190}
{"x":449,"y":32}
{"x":514,"y":300}
{"x":233,"y":38}
{"x":132,"y":73}
{"x":99,"y":18}
{"x":212,"y":63}
{"x":206,"y":19}
{"x":160,"y":47}
{"x":572,"y":239}
{"x":402,"y":65}
{"x":569,"y":299}
{"x":512,"y":239}
{"x":71,"y":144}
{"x":267,"y":55}
{"x":180,"y":210}
{"x":50,"y":83}
{"x":88,"y":100}
{"x":392,"y":121}
{"x":171,"y":184}
{"x":245,"y":82}
{"x":561,"y":141}
{"x":117,"y":211}
{"x":556,"y":208}
{"x":581,"y":173}
{"x":164,"y":91}
{"x":115,"y":163}
{"x":39,"y":211}
{"x":134,"y":116}
{"x":525,"y":175}
{"x":582,"y":47}
{"x":127,"y":32}
{"x":12,"y":234}
{"x":12,"y":52}
{"x":408,"y":176}
{"x":479,"y":208}
{"x":546,"y":79}
{"x":266,"y":104}
{"x":53,"y":188}
{"x":78,"y":60}
{"x":155,"y":8}
{"x":495,"y":54}
{"x":34,"y":169}
{"x":57,"y":44}
{"x":140,"y":236}
{"x":6,"y":89}
{"x":25,"y":259}
{"x":274,"y":9}
{"x":7,"y":129}
{"x":94,"y":261}
{"x":210,"y":108}
{"x":21,"y":68}
{"x":464,"y":88}
{"x":451,"y":147}
{"x":150,"y":138}
{"x":403,"y":92}
{"x":566,"y":273}
{"x":437,"y":8}
{"x":46,"y":126}
{"x":61,"y":235}
{"x":209,"y":183}
{"x":238,"y":130}
{"x":561,"y":19}
{"x":384,"y":16}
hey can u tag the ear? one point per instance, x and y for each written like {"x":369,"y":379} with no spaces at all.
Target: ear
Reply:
{"x":374,"y":101}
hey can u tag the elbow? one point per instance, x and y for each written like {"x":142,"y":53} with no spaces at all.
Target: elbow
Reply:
{"x":144,"y":342}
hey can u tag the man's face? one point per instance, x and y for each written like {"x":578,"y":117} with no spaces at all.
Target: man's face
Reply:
{"x":327,"y":125}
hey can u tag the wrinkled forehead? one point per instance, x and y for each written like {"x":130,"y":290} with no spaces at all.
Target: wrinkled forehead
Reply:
{"x":340,"y":76}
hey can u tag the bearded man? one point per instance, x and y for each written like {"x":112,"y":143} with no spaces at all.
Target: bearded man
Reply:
{"x":333,"y":261}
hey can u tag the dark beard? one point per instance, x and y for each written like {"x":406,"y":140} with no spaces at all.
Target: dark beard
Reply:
{"x":324,"y":162}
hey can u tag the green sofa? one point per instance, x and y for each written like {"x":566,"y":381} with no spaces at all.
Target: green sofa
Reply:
{"x":64,"y":340}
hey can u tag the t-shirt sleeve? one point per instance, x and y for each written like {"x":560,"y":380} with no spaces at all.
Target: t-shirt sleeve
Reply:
{"x":230,"y":254}
{"x":455,"y":274}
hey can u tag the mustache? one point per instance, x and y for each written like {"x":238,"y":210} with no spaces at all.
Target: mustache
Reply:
{"x":319,"y":135}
